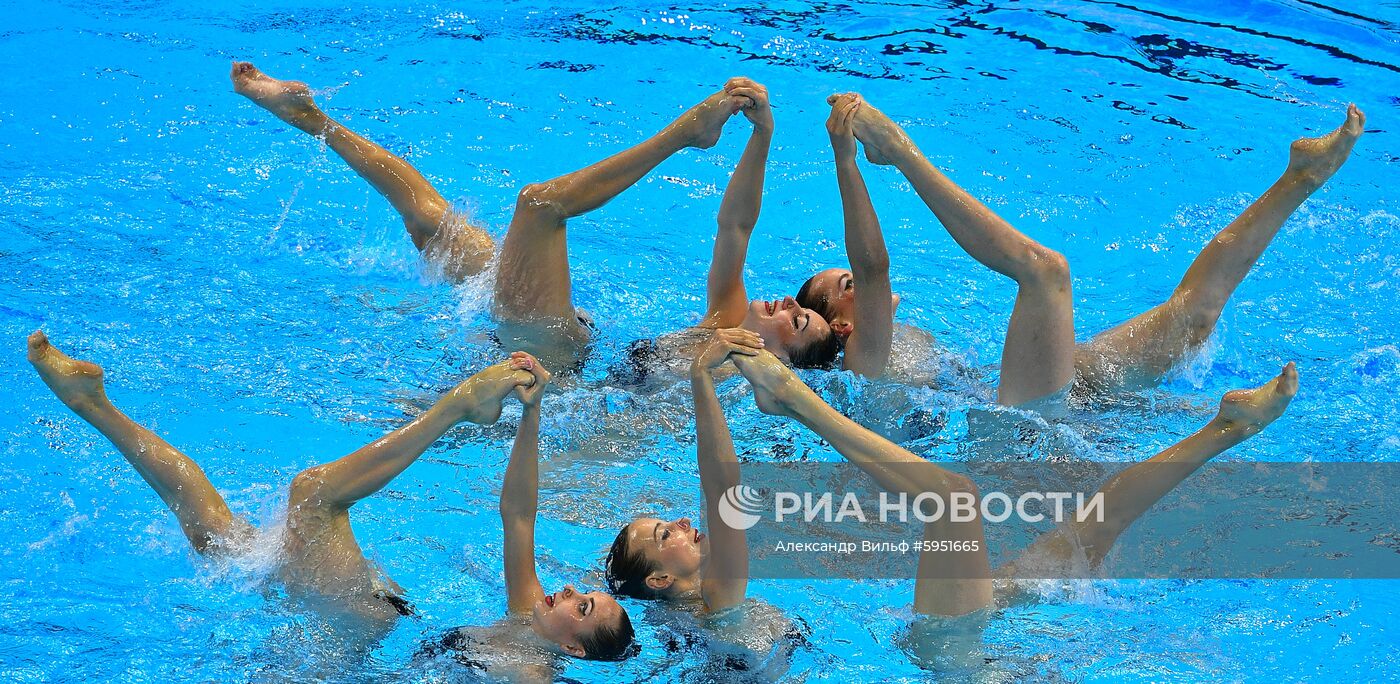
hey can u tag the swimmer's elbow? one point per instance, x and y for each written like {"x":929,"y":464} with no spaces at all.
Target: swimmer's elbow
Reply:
{"x":541,"y":198}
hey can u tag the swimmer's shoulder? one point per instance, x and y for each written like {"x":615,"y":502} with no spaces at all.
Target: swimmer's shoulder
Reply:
{"x":674,"y":351}
{"x":501,"y":651}
{"x":753,"y":618}
{"x":907,"y":335}
{"x":918,"y":358}
{"x":684,"y":342}
{"x":755,"y":637}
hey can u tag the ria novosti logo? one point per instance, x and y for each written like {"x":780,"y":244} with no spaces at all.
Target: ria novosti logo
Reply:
{"x":740,"y":506}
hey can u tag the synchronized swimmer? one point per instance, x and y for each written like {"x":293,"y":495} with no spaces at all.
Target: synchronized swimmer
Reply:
{"x":1040,"y":361}
{"x":829,"y":321}
{"x":322,"y":565}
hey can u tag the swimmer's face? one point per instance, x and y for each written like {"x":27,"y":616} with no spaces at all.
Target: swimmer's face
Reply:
{"x":835,"y":289}
{"x":676,"y":548}
{"x":785,"y":326}
{"x":832,"y":293}
{"x":566,"y":617}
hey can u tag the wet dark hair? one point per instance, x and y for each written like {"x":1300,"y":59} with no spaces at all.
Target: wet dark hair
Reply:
{"x":609,"y":644}
{"x":811,"y":300}
{"x":820,"y":354}
{"x":626,"y":572}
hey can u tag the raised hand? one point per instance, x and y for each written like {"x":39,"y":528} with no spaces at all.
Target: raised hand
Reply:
{"x":480,"y":396}
{"x":840,"y":125}
{"x":530,"y":394}
{"x":722,"y":344}
{"x":753,"y":97}
{"x":776,"y":389}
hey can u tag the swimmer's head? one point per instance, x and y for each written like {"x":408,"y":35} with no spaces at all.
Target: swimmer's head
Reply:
{"x":653,"y":558}
{"x":592,"y":626}
{"x":832,"y":294}
{"x":798,"y":336}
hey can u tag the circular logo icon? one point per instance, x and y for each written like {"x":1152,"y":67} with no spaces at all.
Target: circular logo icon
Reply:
{"x":739,"y":507}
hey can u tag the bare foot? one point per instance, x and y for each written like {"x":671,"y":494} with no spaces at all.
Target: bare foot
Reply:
{"x":884,"y":140}
{"x":1248,"y":411}
{"x":703,"y":123}
{"x":775,"y":387}
{"x":289,"y":100}
{"x":77,"y":383}
{"x":479,"y":397}
{"x":1316,"y":159}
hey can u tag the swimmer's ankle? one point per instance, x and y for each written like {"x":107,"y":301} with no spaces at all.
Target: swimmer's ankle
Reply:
{"x":904,"y":156}
{"x":314,"y":122}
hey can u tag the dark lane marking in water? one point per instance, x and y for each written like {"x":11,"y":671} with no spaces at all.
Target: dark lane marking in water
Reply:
{"x":1329,"y":49}
{"x":1160,"y":50}
{"x":1168,"y":70}
{"x":1161,"y":54}
{"x":1101,"y":28}
{"x":595,"y":30}
{"x":571,"y":67}
{"x":1164,"y":52}
{"x":1378,"y":22}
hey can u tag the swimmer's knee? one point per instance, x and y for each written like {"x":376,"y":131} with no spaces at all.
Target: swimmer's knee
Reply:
{"x":1046,"y":267}
{"x":432,"y":210}
{"x":1201,"y":324}
{"x":962,"y":484}
{"x":461,"y":248}
{"x":217,"y":535}
{"x":534,"y":194}
{"x":308,"y":488}
{"x":1199,"y":312}
{"x":426,"y":219}
{"x":539,"y":198}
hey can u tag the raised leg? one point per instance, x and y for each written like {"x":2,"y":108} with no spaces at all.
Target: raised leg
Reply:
{"x":1140,"y":351}
{"x":202,"y":513}
{"x":442,"y":235}
{"x":953,"y":583}
{"x":1038,"y":355}
{"x":319,"y":549}
{"x":534,"y":297}
{"x":1132,"y":492}
{"x":339,"y":484}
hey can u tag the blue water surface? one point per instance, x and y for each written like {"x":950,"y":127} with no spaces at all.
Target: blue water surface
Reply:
{"x":258,"y":305}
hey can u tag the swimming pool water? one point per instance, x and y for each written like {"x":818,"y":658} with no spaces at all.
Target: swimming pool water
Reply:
{"x":261,"y":307}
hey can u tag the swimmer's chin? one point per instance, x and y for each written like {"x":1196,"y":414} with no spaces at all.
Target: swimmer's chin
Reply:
{"x":538,"y":610}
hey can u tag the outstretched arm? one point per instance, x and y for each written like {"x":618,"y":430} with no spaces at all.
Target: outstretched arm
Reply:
{"x":948,"y":583}
{"x":726,"y":577}
{"x":779,"y":391}
{"x":738,"y":212}
{"x":868,"y":347}
{"x":520,"y":494}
